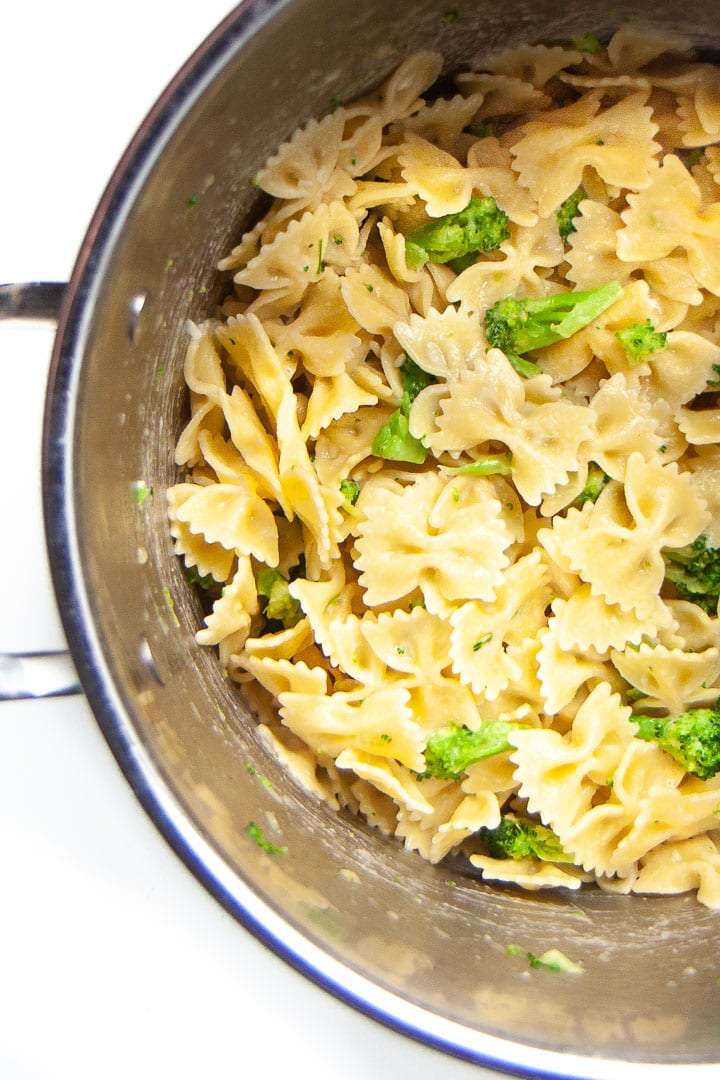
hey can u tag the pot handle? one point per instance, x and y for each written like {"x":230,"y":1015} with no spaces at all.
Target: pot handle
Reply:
{"x":34,"y":301}
{"x":42,"y":674}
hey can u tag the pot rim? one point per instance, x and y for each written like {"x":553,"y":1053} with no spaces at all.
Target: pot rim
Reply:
{"x":153,"y":792}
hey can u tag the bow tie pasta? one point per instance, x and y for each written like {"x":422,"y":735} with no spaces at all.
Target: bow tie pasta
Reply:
{"x":449,"y":482}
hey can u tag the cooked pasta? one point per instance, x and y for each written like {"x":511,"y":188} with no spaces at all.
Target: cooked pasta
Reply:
{"x":415,"y":535}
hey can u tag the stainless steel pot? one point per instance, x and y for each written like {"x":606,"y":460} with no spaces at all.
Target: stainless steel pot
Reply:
{"x":420,"y":947}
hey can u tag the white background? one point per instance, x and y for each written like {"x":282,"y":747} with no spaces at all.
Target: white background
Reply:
{"x":114,"y":962}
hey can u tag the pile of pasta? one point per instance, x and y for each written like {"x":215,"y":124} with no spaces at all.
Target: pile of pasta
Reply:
{"x":291,"y":382}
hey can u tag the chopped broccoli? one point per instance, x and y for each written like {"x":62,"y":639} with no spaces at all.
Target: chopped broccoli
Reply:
{"x":692,"y":738}
{"x":142,"y":493}
{"x":489,"y":465}
{"x":568,"y":211}
{"x":281,"y":606}
{"x":452,"y":749}
{"x":640,"y":340}
{"x":694,"y":570}
{"x":481,"y":226}
{"x":695,"y":157}
{"x":481,"y":130}
{"x":587,"y":43}
{"x":551,"y":960}
{"x":520,"y":838}
{"x":203,"y":581}
{"x":414,"y":379}
{"x":518,"y":326}
{"x":255,"y":833}
{"x":394,"y":440}
{"x":350,"y":490}
{"x":596,"y":481}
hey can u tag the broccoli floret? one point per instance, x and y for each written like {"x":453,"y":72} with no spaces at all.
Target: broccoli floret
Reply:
{"x":452,"y":749}
{"x":694,"y":570}
{"x":281,"y":606}
{"x":640,"y":340}
{"x":394,"y":440}
{"x":692,"y":738}
{"x":481,"y":226}
{"x":521,"y":838}
{"x":519,"y":326}
{"x":597,"y":479}
{"x":568,"y":211}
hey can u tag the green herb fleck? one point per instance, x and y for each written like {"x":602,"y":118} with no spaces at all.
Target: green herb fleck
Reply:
{"x":450,"y":15}
{"x":142,"y":493}
{"x":587,"y":43}
{"x":255,"y":833}
{"x":484,"y":640}
{"x":171,"y":604}
{"x":551,"y":960}
{"x":192,"y":201}
{"x":263,"y":779}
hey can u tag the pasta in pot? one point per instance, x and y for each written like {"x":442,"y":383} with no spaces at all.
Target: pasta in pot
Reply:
{"x":450,"y":559}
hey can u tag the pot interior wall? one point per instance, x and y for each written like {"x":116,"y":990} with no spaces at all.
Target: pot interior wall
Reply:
{"x":433,"y":934}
